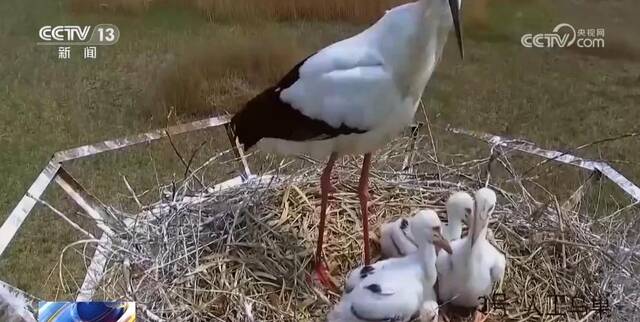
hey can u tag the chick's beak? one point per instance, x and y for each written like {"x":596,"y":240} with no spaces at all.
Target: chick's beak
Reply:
{"x":442,"y":242}
{"x":455,"y":14}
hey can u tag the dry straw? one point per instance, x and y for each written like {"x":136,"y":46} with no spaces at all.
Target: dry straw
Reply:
{"x":243,"y":254}
{"x":355,"y":11}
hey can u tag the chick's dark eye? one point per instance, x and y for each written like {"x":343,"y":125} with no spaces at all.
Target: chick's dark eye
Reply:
{"x":467,"y":210}
{"x":404,"y":223}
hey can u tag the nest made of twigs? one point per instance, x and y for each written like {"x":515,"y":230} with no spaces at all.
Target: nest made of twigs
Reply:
{"x":244,"y":253}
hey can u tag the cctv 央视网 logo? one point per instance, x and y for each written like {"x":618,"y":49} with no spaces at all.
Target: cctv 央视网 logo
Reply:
{"x":552,"y":39}
{"x":64,"y":33}
{"x":564,"y":36}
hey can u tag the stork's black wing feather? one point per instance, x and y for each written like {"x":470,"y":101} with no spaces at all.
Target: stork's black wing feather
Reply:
{"x":267,"y":116}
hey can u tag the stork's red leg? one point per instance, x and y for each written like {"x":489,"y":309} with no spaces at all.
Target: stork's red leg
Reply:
{"x":321,"y":270}
{"x":363,"y":193}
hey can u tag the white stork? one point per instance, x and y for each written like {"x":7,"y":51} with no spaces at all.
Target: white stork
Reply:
{"x":475,"y":265}
{"x":396,"y":289}
{"x":351,"y":97}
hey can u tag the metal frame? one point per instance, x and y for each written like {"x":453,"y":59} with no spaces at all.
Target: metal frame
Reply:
{"x":54,"y":171}
{"x":90,"y":204}
{"x":616,"y":177}
{"x":28,"y":201}
{"x":95,"y":271}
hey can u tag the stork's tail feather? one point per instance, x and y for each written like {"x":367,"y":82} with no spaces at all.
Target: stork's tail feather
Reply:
{"x":14,"y":307}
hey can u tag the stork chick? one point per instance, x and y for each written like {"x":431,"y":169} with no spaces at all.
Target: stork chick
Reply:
{"x":459,"y":206}
{"x":475,"y":265}
{"x":396,"y":239}
{"x":397,"y":288}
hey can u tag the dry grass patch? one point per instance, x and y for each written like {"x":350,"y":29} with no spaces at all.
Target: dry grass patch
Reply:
{"x":328,"y":10}
{"x":614,"y":49}
{"x":355,"y":11}
{"x":219,"y":75}
{"x":359,"y":11}
{"x":113,"y":6}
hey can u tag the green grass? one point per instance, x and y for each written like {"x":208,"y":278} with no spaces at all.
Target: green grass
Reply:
{"x":557,"y":98}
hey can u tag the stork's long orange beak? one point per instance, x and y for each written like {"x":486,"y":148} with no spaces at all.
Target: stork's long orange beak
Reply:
{"x":455,"y":14}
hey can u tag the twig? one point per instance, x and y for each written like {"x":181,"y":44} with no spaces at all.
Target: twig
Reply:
{"x":61,"y":215}
{"x":186,"y":165}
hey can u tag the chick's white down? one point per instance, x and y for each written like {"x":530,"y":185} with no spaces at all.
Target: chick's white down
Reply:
{"x":475,"y":264}
{"x":396,"y":239}
{"x":395,"y":288}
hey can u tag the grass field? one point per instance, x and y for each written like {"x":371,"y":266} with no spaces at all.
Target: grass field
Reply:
{"x":179,"y":62}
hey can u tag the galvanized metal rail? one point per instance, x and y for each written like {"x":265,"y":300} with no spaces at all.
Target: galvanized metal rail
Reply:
{"x":54,"y":171}
{"x":608,"y":171}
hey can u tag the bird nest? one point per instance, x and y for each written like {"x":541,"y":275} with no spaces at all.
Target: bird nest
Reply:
{"x":244,"y":253}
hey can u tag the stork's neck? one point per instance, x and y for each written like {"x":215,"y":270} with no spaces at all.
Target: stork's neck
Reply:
{"x":427,"y":255}
{"x":453,"y":230}
{"x":477,"y":231}
{"x":424,"y":38}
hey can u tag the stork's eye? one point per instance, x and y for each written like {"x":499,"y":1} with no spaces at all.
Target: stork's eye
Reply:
{"x":467,"y":211}
{"x":492,"y":208}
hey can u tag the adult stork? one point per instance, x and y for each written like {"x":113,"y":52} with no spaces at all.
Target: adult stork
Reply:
{"x":351,"y":97}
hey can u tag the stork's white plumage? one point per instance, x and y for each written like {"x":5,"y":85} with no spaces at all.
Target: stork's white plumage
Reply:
{"x":396,"y":239}
{"x":429,"y":312}
{"x":459,"y":205}
{"x":352,"y":96}
{"x":475,"y":265}
{"x":395,"y":289}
